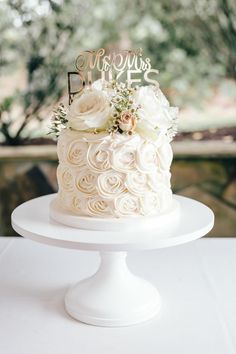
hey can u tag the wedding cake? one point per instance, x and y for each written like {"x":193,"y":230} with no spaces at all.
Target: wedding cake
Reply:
{"x":114,"y":157}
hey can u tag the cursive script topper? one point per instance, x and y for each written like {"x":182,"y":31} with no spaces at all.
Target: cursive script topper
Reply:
{"x":126,"y":65}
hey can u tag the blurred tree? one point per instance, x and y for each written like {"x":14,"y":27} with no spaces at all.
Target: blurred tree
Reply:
{"x":40,"y":43}
{"x":192,"y":42}
{"x":214,"y":23}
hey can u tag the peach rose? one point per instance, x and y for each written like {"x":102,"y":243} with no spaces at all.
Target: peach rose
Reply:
{"x":127,"y":121}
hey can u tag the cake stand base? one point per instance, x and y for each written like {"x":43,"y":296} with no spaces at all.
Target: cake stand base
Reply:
{"x":113,"y":296}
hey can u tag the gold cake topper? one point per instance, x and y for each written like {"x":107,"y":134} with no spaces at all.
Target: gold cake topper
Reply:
{"x":126,"y":65}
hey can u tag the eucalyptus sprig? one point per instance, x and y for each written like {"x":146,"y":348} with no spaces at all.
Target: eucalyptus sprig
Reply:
{"x":59,"y":120}
{"x":173,"y":130}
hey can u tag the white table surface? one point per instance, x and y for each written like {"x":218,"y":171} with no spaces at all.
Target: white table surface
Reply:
{"x":197,"y":282}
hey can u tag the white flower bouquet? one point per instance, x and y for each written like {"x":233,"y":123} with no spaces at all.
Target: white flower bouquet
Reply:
{"x":118,"y":108}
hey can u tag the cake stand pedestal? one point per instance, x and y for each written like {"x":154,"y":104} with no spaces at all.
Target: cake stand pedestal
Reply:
{"x":113,"y":296}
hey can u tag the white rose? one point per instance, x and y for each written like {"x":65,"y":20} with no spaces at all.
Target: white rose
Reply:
{"x":155,"y":112}
{"x":89,"y":111}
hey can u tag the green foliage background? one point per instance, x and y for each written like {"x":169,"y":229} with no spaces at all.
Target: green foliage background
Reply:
{"x":191,"y":42}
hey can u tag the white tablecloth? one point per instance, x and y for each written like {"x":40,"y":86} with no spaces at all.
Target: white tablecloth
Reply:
{"x":197,"y":282}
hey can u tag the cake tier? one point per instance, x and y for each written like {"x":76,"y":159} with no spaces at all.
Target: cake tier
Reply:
{"x":112,"y":175}
{"x":158,"y":222}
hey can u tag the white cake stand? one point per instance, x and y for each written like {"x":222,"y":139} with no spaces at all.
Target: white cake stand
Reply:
{"x":113,"y":296}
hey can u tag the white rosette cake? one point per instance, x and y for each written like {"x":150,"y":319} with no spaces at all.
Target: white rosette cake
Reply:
{"x":114,"y":158}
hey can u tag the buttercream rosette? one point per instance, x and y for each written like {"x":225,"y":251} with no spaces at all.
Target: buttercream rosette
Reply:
{"x":123,"y":157}
{"x":65,"y":179}
{"x":110,"y":184}
{"x":76,"y":153}
{"x":99,"y":156}
{"x":127,"y":205}
{"x":95,"y":206}
{"x":136,"y":183}
{"x":86,"y":181}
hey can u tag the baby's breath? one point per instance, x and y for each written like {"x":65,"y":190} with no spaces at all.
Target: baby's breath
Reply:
{"x":121,"y":101}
